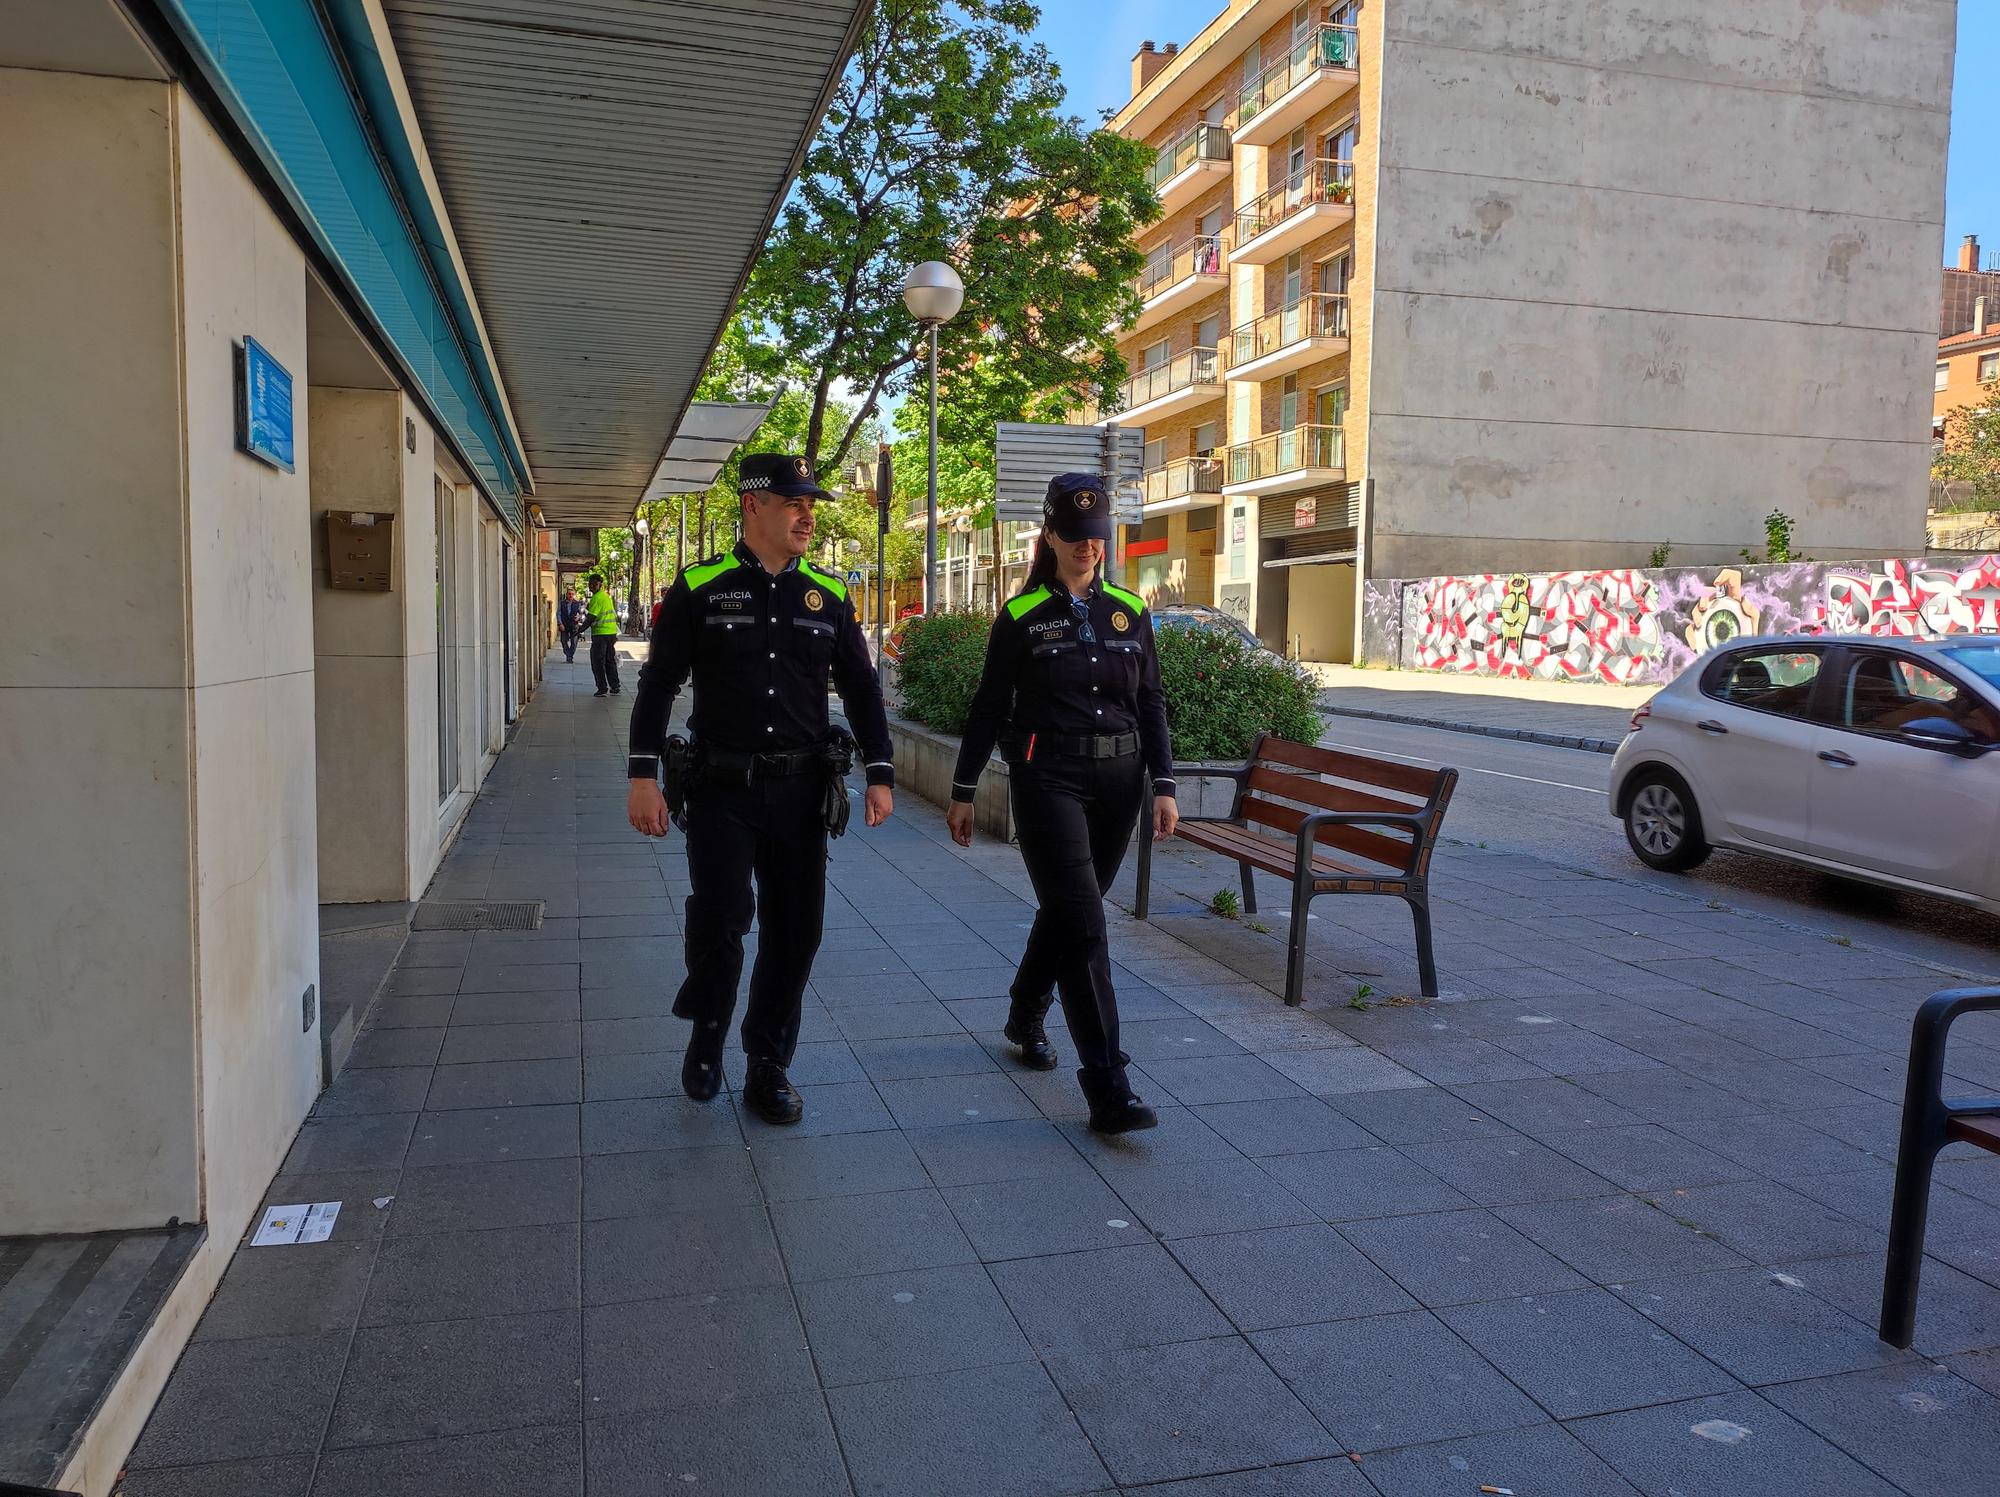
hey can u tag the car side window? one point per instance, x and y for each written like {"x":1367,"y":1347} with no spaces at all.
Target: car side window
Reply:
{"x":1769,"y":680}
{"x":1886,"y":693}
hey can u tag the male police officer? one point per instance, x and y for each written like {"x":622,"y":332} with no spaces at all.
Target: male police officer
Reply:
{"x":760,"y":630}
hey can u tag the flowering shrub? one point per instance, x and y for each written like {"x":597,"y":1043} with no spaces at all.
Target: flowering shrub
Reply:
{"x":1221,"y":693}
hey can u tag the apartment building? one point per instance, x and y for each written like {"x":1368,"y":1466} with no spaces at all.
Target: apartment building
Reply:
{"x":1441,"y":287}
{"x":1968,"y":364}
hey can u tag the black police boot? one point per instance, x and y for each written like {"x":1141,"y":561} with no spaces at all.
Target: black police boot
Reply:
{"x":769,"y":1093}
{"x":701,"y":1071}
{"x":1114,"y":1108}
{"x":1024,"y":1028}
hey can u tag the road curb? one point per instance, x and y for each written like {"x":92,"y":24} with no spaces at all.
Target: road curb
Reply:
{"x":1577,"y":741}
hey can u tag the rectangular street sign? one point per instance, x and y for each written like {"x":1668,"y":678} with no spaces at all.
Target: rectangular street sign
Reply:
{"x":1028,"y":454}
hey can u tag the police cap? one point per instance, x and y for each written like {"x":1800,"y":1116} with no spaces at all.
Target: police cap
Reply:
{"x":778,"y":473}
{"x":1077,"y":507}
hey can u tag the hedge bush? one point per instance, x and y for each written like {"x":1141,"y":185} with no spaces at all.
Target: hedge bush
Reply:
{"x":943,"y":654}
{"x":1221,"y":693}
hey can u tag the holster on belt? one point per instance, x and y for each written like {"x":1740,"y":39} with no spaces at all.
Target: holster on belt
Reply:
{"x":677,"y":768}
{"x":838,"y":755}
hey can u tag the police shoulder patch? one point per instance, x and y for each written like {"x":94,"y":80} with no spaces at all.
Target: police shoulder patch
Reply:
{"x":1131,"y":600}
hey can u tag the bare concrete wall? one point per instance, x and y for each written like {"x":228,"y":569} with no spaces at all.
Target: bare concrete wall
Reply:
{"x":1644,"y":274}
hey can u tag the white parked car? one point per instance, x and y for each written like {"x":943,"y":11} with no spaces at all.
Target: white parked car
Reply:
{"x":1874,"y":759}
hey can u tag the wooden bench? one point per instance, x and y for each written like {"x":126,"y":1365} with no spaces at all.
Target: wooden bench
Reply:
{"x":1930,"y":1121}
{"x":1292,"y":801}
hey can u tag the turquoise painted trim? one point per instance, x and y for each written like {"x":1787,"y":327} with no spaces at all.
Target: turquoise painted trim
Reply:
{"x":1027,"y":603}
{"x":285,"y":82}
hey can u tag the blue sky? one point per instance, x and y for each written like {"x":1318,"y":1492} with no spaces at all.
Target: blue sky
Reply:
{"x":1093,"y":41}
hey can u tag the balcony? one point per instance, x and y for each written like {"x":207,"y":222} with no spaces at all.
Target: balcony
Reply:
{"x":1185,"y":483}
{"x":1311,"y":329}
{"x":1307,"y":204}
{"x":1180,"y":384}
{"x":1189,"y":166}
{"x":1181,"y":278}
{"x":1280,"y":462}
{"x":1309,"y":78}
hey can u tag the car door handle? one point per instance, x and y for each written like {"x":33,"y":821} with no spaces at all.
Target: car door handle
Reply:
{"x":1710,"y":725}
{"x":1834,"y":756}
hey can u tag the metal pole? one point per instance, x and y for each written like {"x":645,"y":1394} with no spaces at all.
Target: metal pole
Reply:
{"x":681,"y":539}
{"x":883,"y":485}
{"x":930,"y":499}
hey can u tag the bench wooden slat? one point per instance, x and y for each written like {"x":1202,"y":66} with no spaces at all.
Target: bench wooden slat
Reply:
{"x":1390,"y":851}
{"x":1983,"y":1133}
{"x":1321,"y":793}
{"x":1408,"y":778}
{"x":1269,"y":854}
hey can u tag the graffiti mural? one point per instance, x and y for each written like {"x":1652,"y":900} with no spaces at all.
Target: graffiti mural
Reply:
{"x":1630,"y":625}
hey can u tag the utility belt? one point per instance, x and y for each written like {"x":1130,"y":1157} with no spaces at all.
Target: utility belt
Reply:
{"x":1025,"y":747}
{"x":687,"y":766}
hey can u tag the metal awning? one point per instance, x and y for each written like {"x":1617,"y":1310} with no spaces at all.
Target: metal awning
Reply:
{"x":709,"y":432}
{"x":610,"y":170}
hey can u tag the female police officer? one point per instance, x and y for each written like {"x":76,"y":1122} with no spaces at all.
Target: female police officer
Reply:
{"x":1071,"y":690}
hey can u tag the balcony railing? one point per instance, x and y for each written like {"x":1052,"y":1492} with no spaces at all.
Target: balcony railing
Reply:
{"x":1318,"y":314}
{"x":1322,"y":181}
{"x":1182,"y":477}
{"x":1204,"y":142}
{"x":1198,"y":366}
{"x":1201,"y":255}
{"x":1324,"y":47}
{"x":1280,"y":452}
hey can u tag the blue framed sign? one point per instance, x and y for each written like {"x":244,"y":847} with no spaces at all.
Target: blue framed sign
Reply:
{"x":263,"y":406}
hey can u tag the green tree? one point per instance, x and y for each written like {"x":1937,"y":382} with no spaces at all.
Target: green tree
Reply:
{"x":1970,"y":455}
{"x":944,"y":141}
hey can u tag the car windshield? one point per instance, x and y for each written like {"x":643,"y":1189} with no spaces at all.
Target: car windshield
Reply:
{"x":1982,"y":660}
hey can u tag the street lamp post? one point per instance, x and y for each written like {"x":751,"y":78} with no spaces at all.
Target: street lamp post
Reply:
{"x":933,"y":293}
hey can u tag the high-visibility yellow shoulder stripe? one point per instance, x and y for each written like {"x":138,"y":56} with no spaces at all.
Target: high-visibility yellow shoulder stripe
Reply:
{"x":1131,"y":600}
{"x":826,"y":580}
{"x":1027,"y":602}
{"x":708,"y":571}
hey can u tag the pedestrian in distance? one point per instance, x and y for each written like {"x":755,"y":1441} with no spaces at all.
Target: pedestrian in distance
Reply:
{"x":601,"y":615}
{"x":1071,"y":693}
{"x":569,"y":621}
{"x":658,"y":603}
{"x":760,"y":631}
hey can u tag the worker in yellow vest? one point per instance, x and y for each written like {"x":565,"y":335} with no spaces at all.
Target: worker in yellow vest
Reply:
{"x":602,"y":615}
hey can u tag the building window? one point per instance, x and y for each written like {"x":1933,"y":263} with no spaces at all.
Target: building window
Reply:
{"x":1943,"y":375}
{"x":1989,"y":368}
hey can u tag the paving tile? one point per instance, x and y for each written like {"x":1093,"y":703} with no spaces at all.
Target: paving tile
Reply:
{"x":413,"y":1382}
{"x":1393,"y":1380}
{"x":918,"y":1322}
{"x":1350,"y":1184}
{"x":667,"y":1180}
{"x":288,"y":1476}
{"x":1457,"y":1257}
{"x":781,"y":1446}
{"x":500,"y":1463}
{"x":1549,"y":1106}
{"x":1980,"y":1368}
{"x":470,"y":1197}
{"x":1221,"y":1078}
{"x":305,"y":1289}
{"x":1768,"y":1223}
{"x":1955,"y":1311}
{"x":534,"y":1006}
{"x":1584,"y":1352}
{"x":848,"y":1236}
{"x":1283,"y":1125}
{"x":643,"y":1123}
{"x":1758,"y":1326}
{"x":403,"y":1011}
{"x":1191,"y":1197}
{"x":462,"y":1275}
{"x":1181,"y":1138}
{"x":1646,"y":1157}
{"x":1171,"y":1038}
{"x":693,"y":1351}
{"x":701,"y":1250}
{"x":517,"y":976}
{"x":840,"y":1164}
{"x":1333,"y":1073}
{"x":1328,"y":1478}
{"x":1507,"y":1171}
{"x":504,"y":1083}
{"x":998,"y":1431}
{"x":1191,"y":1409}
{"x":910,"y":1056}
{"x":330,"y":1145}
{"x":939,"y":1101}
{"x":1927,"y":1431}
{"x":640,"y":1036}
{"x":1733,"y":1443}
{"x":503,"y":1133}
{"x":981,"y":1153}
{"x":1543,"y":1459}
{"x":240,"y":1399}
{"x":1448,"y":1062}
{"x":1054,"y":1214}
{"x":1281,"y":1276}
{"x":413,"y":982}
{"x":396,"y":1047}
{"x":465,"y":1043}
{"x":1613,"y":1239}
{"x":1418,"y":1115}
{"x":1107,"y":1300}
{"x":611,"y":1078}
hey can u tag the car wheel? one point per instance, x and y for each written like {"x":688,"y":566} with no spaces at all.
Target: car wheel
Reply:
{"x":1662,"y":824}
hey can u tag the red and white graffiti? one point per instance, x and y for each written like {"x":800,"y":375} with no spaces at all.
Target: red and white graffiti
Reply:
{"x":1912,"y":601}
{"x":1550,"y":626}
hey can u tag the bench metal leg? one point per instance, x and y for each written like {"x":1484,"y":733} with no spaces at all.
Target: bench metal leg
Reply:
{"x":1249,"y":890}
{"x":1144,"y":900}
{"x":1420,"y":914}
{"x":1295,"y":961}
{"x":1924,"y":1119}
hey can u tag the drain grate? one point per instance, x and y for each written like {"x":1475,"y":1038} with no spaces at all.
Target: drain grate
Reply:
{"x":512,"y":914}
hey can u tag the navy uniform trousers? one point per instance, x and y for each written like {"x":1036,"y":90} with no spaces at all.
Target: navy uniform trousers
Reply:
{"x":1074,"y":820}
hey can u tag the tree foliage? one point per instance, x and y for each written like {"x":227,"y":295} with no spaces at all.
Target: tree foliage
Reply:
{"x":1970,"y":455}
{"x":944,"y":140}
{"x":1221,"y":693}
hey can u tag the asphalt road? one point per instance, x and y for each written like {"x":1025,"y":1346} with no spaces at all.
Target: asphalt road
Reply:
{"x":1550,"y":803}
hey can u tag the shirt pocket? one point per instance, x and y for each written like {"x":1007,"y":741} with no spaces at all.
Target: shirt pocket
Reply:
{"x":815,"y":638}
{"x":1124,"y":657}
